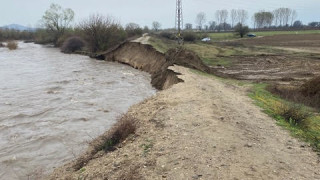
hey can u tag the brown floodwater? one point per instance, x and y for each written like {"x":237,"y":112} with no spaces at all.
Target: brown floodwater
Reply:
{"x":53,"y":104}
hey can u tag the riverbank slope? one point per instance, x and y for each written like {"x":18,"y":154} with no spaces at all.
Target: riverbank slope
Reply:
{"x":202,"y":128}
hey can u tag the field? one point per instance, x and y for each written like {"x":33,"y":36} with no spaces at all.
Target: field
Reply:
{"x":286,"y":59}
{"x":230,"y":36}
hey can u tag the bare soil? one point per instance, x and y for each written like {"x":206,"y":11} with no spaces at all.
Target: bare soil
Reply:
{"x":299,"y":62}
{"x":296,"y":40}
{"x":201,"y":129}
{"x":279,"y":68}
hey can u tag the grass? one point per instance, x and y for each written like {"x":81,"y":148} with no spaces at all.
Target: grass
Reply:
{"x":300,"y":120}
{"x":231,"y":36}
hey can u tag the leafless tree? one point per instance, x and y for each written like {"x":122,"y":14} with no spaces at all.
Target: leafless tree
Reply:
{"x":200,"y":20}
{"x":234,"y":17}
{"x":242,"y":16}
{"x":188,"y":26}
{"x":156,"y":26}
{"x":101,"y":32}
{"x":294,"y":16}
{"x":263,"y":19}
{"x":222,"y":17}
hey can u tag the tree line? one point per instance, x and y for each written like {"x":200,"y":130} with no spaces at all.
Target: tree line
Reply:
{"x":227,"y":20}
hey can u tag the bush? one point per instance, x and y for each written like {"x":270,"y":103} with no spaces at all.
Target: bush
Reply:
{"x":294,"y":114}
{"x":241,"y":30}
{"x":101,"y":33}
{"x":2,"y":45}
{"x":12,"y":45}
{"x":133,"y":29}
{"x":120,"y":131}
{"x":189,"y":36}
{"x":72,"y":44}
{"x":167,"y":35}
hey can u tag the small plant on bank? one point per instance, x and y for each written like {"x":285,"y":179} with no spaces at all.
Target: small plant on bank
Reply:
{"x":119,"y":132}
{"x":73,"y":44}
{"x":294,"y":114}
{"x":12,"y":45}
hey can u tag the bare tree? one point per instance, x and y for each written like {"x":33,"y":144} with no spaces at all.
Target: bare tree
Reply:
{"x":222,"y":17}
{"x":188,"y":26}
{"x":263,"y":19}
{"x":242,"y":16}
{"x":212,"y":25}
{"x":156,"y":26}
{"x":200,"y":20}
{"x":294,"y":16}
{"x":101,"y":32}
{"x":57,"y":20}
{"x":234,"y":17}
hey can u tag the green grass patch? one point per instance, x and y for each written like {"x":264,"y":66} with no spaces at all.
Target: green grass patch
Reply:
{"x":231,"y":36}
{"x":301,"y":121}
{"x":162,"y":45}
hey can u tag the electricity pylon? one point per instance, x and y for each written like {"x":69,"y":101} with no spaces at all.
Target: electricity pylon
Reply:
{"x":179,"y":21}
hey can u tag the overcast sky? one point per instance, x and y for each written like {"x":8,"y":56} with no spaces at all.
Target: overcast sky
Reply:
{"x":144,"y":12}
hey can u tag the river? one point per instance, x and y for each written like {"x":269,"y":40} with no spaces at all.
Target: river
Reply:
{"x":53,"y":104}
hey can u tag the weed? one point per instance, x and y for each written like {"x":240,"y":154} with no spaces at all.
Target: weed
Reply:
{"x":147,"y":146}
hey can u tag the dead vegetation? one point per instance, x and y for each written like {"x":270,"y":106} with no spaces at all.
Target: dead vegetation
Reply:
{"x":125,"y":126}
{"x":12,"y":45}
{"x":307,"y":94}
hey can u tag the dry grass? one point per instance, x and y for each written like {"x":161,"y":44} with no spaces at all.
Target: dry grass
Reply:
{"x":294,"y":114}
{"x":107,"y":142}
{"x":308,"y":94}
{"x":12,"y":45}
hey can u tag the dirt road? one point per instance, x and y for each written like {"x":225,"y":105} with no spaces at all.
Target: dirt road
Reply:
{"x":202,"y":129}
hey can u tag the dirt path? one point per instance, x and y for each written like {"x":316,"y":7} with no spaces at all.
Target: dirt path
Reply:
{"x":143,"y":40}
{"x":203,"y":129}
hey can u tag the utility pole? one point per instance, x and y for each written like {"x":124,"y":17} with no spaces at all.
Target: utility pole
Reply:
{"x":179,"y":21}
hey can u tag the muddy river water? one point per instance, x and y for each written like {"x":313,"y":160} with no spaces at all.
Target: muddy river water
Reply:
{"x":53,"y":104}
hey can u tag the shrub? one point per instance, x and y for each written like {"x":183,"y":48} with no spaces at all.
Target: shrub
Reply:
{"x":120,"y":131}
{"x":189,"y":36}
{"x":12,"y":45}
{"x":133,"y":29}
{"x":167,"y":35}
{"x":72,"y":44}
{"x":241,"y":30}
{"x":294,"y":114}
{"x":101,"y":33}
{"x":2,"y":45}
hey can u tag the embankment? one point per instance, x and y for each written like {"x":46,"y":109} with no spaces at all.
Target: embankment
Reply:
{"x":200,"y":129}
{"x":146,"y":58}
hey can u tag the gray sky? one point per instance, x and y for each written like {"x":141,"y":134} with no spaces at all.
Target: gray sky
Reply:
{"x":143,"y":12}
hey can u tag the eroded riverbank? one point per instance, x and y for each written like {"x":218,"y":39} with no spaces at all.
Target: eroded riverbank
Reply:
{"x":201,"y":129}
{"x":52,"y":104}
